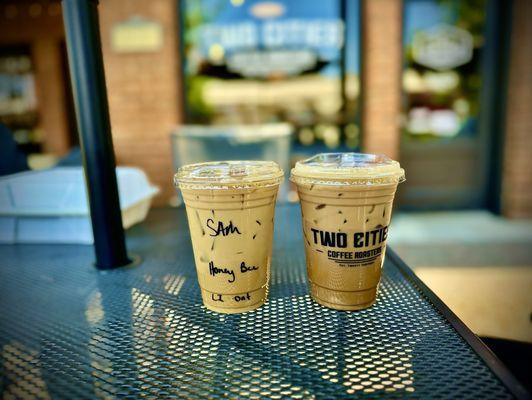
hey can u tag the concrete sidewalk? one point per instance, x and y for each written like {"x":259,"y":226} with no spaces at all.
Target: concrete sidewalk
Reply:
{"x":479,"y":264}
{"x":461,"y":238}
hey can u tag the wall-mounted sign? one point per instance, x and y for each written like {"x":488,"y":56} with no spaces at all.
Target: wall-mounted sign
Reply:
{"x":442,"y":47}
{"x":137,"y":35}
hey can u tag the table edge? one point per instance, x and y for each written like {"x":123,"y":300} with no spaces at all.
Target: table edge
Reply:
{"x":490,"y":359}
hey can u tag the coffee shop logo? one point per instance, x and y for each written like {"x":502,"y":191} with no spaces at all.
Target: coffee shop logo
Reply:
{"x":442,"y":47}
{"x":368,"y":246}
{"x":258,"y":48}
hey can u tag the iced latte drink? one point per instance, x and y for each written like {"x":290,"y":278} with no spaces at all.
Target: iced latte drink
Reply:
{"x":230,"y":209}
{"x":346,"y":205}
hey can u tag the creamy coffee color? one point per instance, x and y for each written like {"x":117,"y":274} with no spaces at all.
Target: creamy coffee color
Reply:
{"x":230,"y":209}
{"x":346,"y":205}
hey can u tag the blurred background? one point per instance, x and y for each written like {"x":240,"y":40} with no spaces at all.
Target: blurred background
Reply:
{"x":443,"y":86}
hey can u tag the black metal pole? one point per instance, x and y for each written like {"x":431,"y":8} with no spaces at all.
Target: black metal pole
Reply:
{"x":92,"y":112}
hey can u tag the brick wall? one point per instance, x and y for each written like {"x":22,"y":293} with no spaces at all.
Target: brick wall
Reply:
{"x":51,"y":93}
{"x":517,"y":164}
{"x":381,"y":75}
{"x":143,"y":91}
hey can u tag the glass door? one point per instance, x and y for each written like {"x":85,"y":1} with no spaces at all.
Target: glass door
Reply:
{"x":448,"y":84}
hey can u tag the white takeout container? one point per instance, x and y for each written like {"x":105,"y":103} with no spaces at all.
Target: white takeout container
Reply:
{"x":51,"y":206}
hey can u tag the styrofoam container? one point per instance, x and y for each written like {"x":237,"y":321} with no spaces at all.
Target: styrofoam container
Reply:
{"x":50,"y":206}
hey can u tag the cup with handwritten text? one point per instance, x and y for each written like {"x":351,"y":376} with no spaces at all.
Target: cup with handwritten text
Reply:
{"x":230,"y":209}
{"x":346,"y":204}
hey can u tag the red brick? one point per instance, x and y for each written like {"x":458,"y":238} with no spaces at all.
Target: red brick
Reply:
{"x":517,"y":164}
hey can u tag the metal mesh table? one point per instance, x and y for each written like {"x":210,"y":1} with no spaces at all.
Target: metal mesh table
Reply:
{"x":69,"y":331}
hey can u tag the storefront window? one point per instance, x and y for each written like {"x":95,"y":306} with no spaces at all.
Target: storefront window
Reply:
{"x":445,"y":143}
{"x":18,"y":103}
{"x":442,"y":80}
{"x":252,"y":62}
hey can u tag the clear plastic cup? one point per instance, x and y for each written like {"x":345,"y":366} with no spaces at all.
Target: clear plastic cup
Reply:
{"x":346,"y":204}
{"x":230,"y":208}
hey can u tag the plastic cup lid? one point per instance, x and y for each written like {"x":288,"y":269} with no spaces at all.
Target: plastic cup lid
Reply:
{"x":348,"y":169}
{"x":228,"y":174}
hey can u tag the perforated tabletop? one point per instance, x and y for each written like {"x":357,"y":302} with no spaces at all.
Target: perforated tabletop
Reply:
{"x":69,"y":331}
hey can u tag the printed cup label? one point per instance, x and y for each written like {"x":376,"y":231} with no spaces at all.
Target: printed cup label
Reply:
{"x":350,"y":249}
